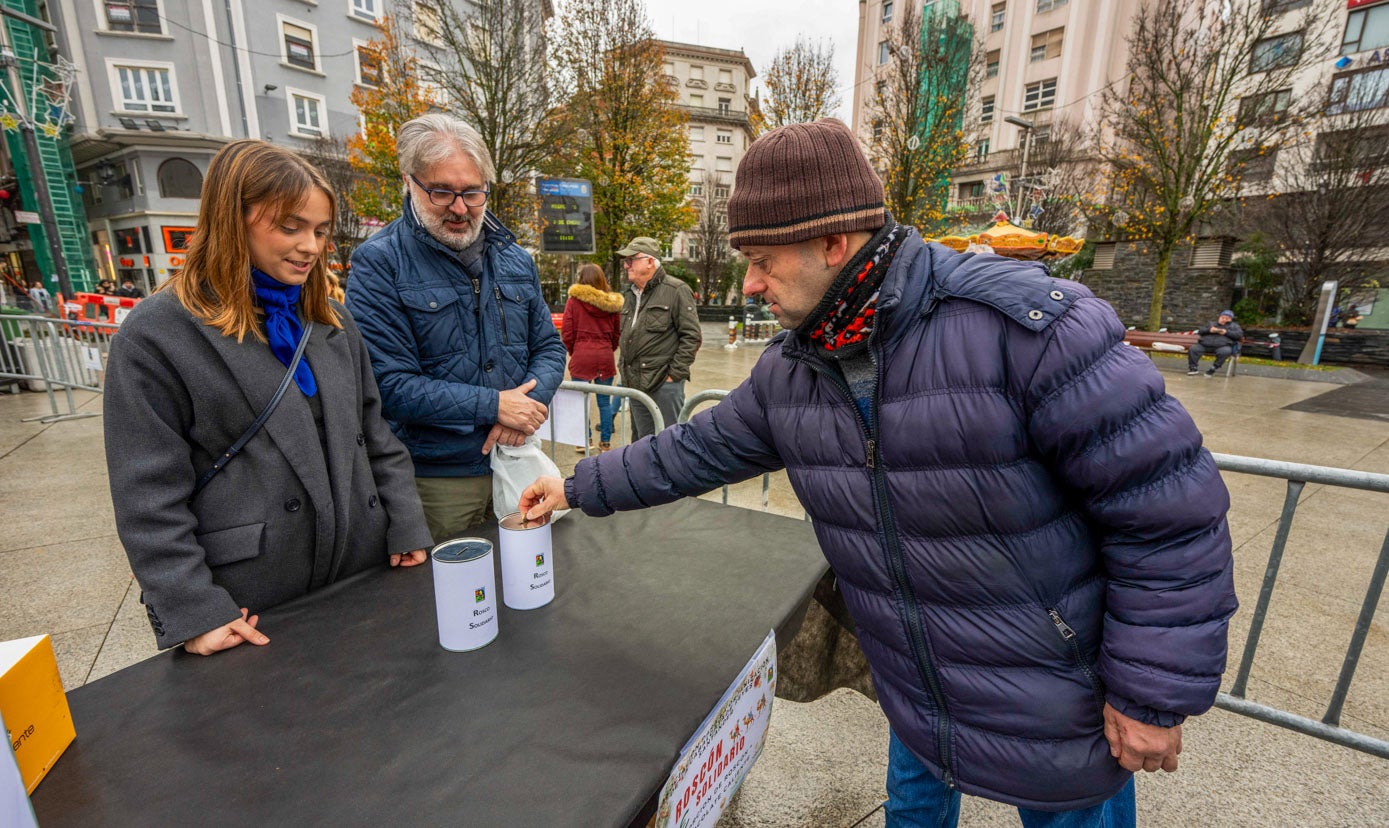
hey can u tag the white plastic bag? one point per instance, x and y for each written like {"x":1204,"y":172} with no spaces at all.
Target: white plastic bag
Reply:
{"x":513,"y":469}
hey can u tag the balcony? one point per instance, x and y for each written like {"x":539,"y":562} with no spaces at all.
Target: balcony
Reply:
{"x":709,"y":113}
{"x":696,"y":83}
{"x":971,"y":204}
{"x":725,"y":87}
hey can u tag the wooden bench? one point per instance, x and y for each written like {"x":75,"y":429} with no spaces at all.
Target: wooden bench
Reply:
{"x":1163,"y":342}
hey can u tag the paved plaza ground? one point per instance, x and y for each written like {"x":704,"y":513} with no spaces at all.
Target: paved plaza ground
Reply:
{"x":63,"y":572}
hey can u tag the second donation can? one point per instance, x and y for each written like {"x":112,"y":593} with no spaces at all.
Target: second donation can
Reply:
{"x":528,"y":573}
{"x":465,"y":593}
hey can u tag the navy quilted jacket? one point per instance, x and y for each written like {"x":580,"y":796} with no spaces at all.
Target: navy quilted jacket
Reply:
{"x":1035,"y":530}
{"x":443,"y":347}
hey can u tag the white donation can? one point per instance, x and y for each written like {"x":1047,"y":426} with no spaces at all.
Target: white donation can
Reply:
{"x":465,"y":593}
{"x":528,"y":572}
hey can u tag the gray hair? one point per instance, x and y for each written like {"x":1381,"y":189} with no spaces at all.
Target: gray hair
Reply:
{"x":429,"y":139}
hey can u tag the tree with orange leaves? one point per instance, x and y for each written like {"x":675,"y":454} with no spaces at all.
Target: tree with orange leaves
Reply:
{"x":629,"y":138}
{"x":390,"y":94}
{"x":1208,"y":93}
{"x":800,"y":84}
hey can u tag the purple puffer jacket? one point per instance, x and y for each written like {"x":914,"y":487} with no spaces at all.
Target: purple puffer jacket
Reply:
{"x":1034,"y":530}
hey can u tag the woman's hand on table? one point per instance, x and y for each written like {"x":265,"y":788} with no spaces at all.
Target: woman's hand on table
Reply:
{"x":228,"y":635}
{"x":415,"y":558}
{"x":542,"y":497}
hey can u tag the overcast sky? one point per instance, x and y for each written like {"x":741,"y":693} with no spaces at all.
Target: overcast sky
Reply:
{"x":761,"y":27}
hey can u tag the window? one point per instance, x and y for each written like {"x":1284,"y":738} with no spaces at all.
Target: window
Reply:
{"x":369,"y":71}
{"x":723,"y":164}
{"x":880,"y":90}
{"x":996,"y":16}
{"x":1366,"y":29}
{"x":696,"y":72}
{"x":427,"y":25}
{"x":1357,"y":91}
{"x":298,"y":42}
{"x":884,"y":51}
{"x":1352,"y":149}
{"x":1209,"y":253}
{"x":696,"y":189}
{"x":725,"y":106}
{"x":1104,"y":256}
{"x":720,"y":191}
{"x":1266,"y":107}
{"x":1040,"y":95}
{"x":307,"y":117}
{"x":726,"y":78}
{"x":696,"y":163}
{"x":986,"y":110}
{"x":1048,"y":5}
{"x":1256,"y":167}
{"x":696,"y":133}
{"x":887,"y":11}
{"x":139,"y":16}
{"x":724,"y":136}
{"x":1276,"y":52}
{"x":877,"y":129}
{"x":144,"y":88}
{"x":367,"y":9}
{"x":696,"y":100}
{"x":981,"y":150}
{"x":1047,"y":45}
{"x":178,"y":178}
{"x":1280,"y":6}
{"x":991,"y":64}
{"x":970,"y":189}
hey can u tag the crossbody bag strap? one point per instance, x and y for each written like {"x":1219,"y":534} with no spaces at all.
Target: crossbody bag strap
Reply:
{"x":269,"y":409}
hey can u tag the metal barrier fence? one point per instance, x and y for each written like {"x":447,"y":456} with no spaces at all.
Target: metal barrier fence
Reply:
{"x":1298,"y":475}
{"x":45,"y":354}
{"x":620,"y":432}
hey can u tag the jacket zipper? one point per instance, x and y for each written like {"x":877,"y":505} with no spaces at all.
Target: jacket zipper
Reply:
{"x":1069,"y":636}
{"x":501,"y":309}
{"x":921,"y":648}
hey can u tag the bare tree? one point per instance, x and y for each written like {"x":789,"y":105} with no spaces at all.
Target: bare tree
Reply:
{"x":800,"y":84}
{"x":1061,"y":179}
{"x":711,"y":237}
{"x":490,"y":64}
{"x":331,"y":157}
{"x":918,"y":112}
{"x":1334,"y":183}
{"x":1179,"y":135}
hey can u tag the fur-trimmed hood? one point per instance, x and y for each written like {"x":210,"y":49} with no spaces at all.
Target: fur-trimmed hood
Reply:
{"x":600,"y":299}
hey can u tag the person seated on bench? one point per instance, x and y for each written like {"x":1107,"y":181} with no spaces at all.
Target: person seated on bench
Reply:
{"x":1220,"y":338}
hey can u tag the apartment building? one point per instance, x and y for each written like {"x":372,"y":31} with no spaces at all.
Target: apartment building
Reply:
{"x":163,"y":84}
{"x":1045,"y":61}
{"x":714,"y":89}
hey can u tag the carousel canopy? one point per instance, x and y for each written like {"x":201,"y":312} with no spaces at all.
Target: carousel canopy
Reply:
{"x":1008,"y":239}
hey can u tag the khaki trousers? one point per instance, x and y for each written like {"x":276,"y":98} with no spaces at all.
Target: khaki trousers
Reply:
{"x":453,"y":505}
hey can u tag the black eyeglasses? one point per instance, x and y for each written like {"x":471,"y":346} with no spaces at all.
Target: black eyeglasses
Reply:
{"x":445,"y":198}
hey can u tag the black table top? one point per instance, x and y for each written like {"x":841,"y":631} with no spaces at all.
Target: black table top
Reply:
{"x":354,"y":715}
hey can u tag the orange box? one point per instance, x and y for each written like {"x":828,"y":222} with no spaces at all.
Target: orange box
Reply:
{"x":35,"y":708}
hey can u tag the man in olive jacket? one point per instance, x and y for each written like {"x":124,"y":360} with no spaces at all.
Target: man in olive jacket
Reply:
{"x":660,"y":334}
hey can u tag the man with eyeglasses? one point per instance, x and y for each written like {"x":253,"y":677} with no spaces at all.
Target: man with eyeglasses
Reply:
{"x":660,"y":334}
{"x":461,"y":340}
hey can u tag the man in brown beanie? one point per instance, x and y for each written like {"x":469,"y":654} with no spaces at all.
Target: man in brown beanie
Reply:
{"x":1023,"y":524}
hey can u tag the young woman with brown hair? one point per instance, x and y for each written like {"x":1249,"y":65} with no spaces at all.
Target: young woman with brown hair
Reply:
{"x":591,"y":328}
{"x":323,"y":490}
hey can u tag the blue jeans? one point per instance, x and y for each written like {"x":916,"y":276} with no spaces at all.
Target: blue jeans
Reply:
{"x":607,"y":408}
{"x":916,"y":799}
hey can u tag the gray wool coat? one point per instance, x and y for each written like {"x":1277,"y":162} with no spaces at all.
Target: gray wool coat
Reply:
{"x":278,"y":521}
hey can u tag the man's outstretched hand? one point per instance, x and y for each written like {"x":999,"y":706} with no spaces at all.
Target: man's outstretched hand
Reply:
{"x":1140,"y":746}
{"x":542,"y":497}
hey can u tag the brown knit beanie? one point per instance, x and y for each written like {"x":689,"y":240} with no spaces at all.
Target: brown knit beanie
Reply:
{"x":804,"y":181}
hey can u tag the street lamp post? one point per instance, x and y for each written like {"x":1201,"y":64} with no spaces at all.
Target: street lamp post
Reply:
{"x":1026,"y":126}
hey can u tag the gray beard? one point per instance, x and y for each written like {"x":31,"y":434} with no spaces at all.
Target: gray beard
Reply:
{"x":453,"y":241}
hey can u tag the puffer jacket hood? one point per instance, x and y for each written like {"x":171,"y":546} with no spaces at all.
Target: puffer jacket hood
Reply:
{"x":1032,"y":530}
{"x":601,"y":299}
{"x":444,"y":346}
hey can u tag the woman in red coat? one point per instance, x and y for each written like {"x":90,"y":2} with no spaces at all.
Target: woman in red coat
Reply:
{"x":592,"y":325}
